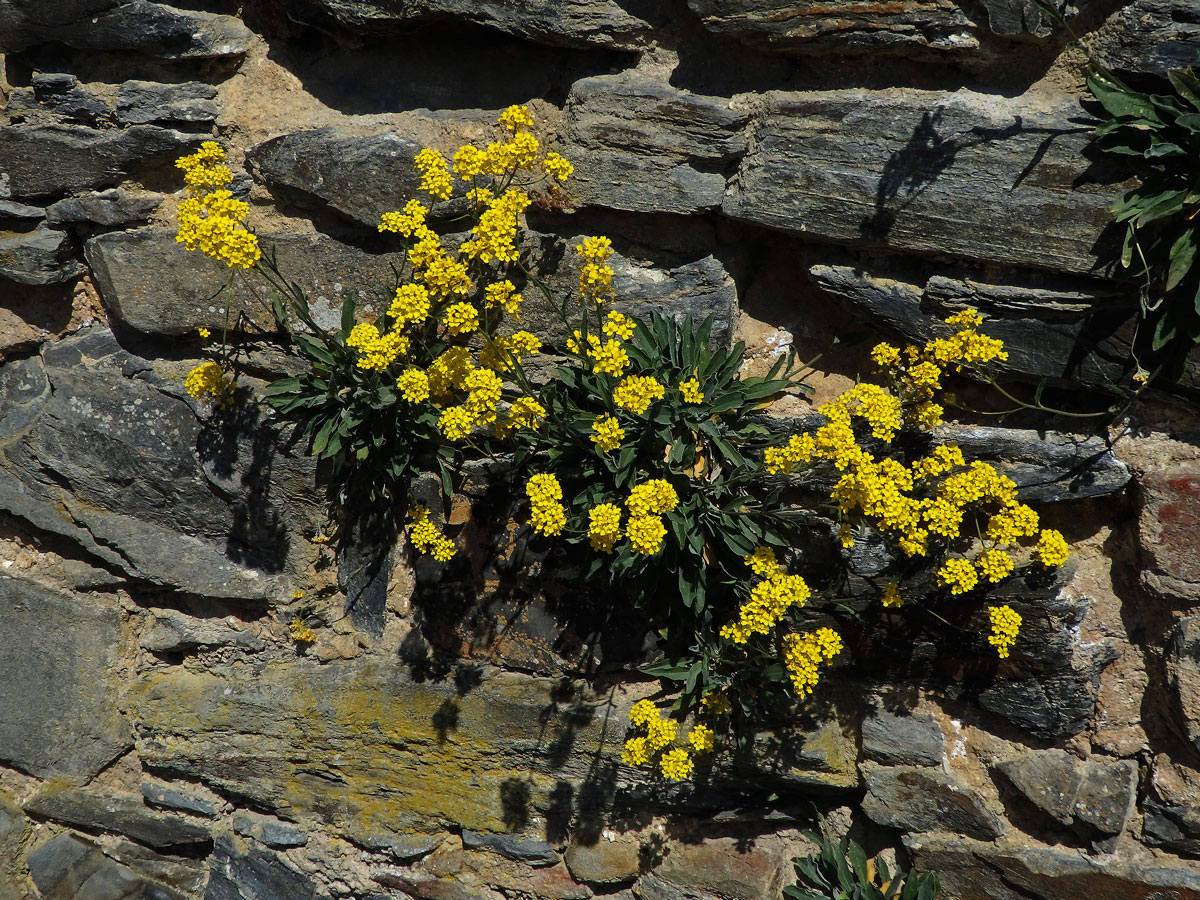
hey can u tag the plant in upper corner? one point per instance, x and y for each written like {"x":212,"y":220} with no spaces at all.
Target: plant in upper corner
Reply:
{"x":840,"y":870}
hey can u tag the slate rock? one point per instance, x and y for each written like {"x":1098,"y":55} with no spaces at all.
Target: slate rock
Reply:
{"x":39,"y":257}
{"x":642,"y":145}
{"x":902,"y":739}
{"x":1151,"y":37}
{"x":164,"y":796}
{"x":20,"y":216}
{"x":567,"y":23}
{"x":1174,"y":828}
{"x":1021,"y":17}
{"x":174,"y":869}
{"x":1094,"y":796}
{"x":154,"y":285}
{"x":843,"y":26}
{"x":184,"y":103}
{"x":241,"y":871}
{"x":908,"y":170}
{"x":913,"y":798}
{"x":150,"y":29}
{"x":1048,"y":334}
{"x":60,"y":660}
{"x":269,"y":830}
{"x":1168,"y":531}
{"x":358,"y":176}
{"x":511,"y":846}
{"x":102,"y":810}
{"x":724,"y":867}
{"x":1183,"y":676}
{"x":57,"y":98}
{"x":52,"y":160}
{"x":971,"y":870}
{"x":112,"y":207}
{"x":173,"y":631}
{"x":70,"y":868}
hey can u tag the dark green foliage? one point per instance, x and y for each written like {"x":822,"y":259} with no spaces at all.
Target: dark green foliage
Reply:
{"x":841,"y":871}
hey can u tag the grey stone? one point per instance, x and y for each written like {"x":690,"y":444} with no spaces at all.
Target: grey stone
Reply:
{"x":171,"y":868}
{"x":641,"y":145}
{"x":511,"y":846}
{"x":971,"y":870}
{"x":902,"y":740}
{"x":1018,"y":17}
{"x":14,"y":879}
{"x":241,"y":872}
{"x":173,"y":631}
{"x":20,"y":214}
{"x":726,"y":867}
{"x":908,"y":170}
{"x":52,"y":160}
{"x":269,"y":830}
{"x":102,"y":810}
{"x":154,"y":285}
{"x":1049,"y":333}
{"x":609,"y":861}
{"x":843,"y":26}
{"x":569,"y":23}
{"x":138,"y":26}
{"x":39,"y":257}
{"x":59,"y":661}
{"x":928,"y":799}
{"x":69,"y":868}
{"x":115,"y":206}
{"x":1174,"y":828}
{"x":166,"y":797}
{"x":135,"y":472}
{"x":57,"y":98}
{"x":184,"y":103}
{"x":1151,"y":36}
{"x":1183,"y":676}
{"x":1094,"y":796}
{"x":357,"y":176}
{"x":84,"y":577}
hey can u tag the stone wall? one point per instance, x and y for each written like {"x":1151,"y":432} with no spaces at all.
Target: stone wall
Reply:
{"x":802,"y":171}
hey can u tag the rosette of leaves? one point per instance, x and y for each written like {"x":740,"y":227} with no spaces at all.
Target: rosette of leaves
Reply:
{"x":840,"y":870}
{"x":1161,"y":134}
{"x":708,"y":451}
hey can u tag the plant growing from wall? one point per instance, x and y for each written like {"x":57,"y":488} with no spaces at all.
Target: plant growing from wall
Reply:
{"x":646,"y":456}
{"x":840,"y":870}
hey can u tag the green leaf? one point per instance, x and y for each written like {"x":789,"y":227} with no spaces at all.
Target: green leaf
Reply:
{"x":858,"y":860}
{"x":1190,"y":121}
{"x":1187,"y":85}
{"x":1164,"y":148}
{"x":348,"y":304}
{"x":1164,"y":205}
{"x":1183,"y":253}
{"x":1119,"y":100}
{"x":282,"y":386}
{"x":313,"y":349}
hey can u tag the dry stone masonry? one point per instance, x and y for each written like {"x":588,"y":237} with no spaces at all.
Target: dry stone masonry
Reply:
{"x":799,"y":171}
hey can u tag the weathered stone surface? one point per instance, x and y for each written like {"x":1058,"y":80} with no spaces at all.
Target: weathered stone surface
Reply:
{"x":724,"y":867}
{"x":970,"y":870}
{"x":1047,"y":333}
{"x":641,"y":145}
{"x":569,"y":23}
{"x":843,"y":26}
{"x":909,"y":170}
{"x":170,"y":867}
{"x":38,"y":257}
{"x":1183,"y":672}
{"x":173,"y":631}
{"x":902,"y":739}
{"x":115,"y":206}
{"x":1169,"y":532}
{"x":242,"y":871}
{"x":55,"y":97}
{"x":269,"y":830}
{"x":59,"y":658}
{"x":138,"y":26}
{"x":611,"y":860}
{"x":1095,"y":796}
{"x":21,"y":216}
{"x":357,"y":745}
{"x":358,"y":176}
{"x":1015,"y":17}
{"x":185,"y":103}
{"x":14,"y":880}
{"x":166,"y":797}
{"x":137,"y":480}
{"x":512,"y":847}
{"x":52,"y":160}
{"x":927,"y":799}
{"x":1174,"y":828}
{"x":154,"y":285}
{"x":102,"y":810}
{"x":1153,"y":36}
{"x":69,"y":868}
{"x":480,"y":873}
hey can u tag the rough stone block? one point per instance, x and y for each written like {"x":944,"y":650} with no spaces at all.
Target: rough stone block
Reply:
{"x":1151,"y":36}
{"x":186,"y":103}
{"x":902,"y":740}
{"x":115,"y":206}
{"x":609,"y":861}
{"x":164,"y":796}
{"x":173,"y":631}
{"x":1095,"y":796}
{"x":70,"y":868}
{"x":39,"y":257}
{"x":242,"y":871}
{"x":100,"y":810}
{"x":1169,"y":531}
{"x":269,"y":830}
{"x":928,"y":799}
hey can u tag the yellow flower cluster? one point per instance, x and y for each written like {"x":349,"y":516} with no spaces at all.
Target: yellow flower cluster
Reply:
{"x":607,"y":433}
{"x":408,"y":221}
{"x":503,"y":294}
{"x":636,"y":392}
{"x":500,"y":353}
{"x":1006,"y":622}
{"x":410,"y":305}
{"x":425,"y":537}
{"x":205,"y":169}
{"x":690,"y":390}
{"x":435,"y":174}
{"x":1051,"y":549}
{"x":654,"y":496}
{"x":804,"y":654}
{"x":618,"y":326}
{"x":523,"y":412}
{"x":211,"y":220}
{"x":702,"y":738}
{"x":958,"y":575}
{"x":604,"y":526}
{"x":891,"y":596}
{"x":769,"y":600}
{"x":645,"y":534}
{"x":595,"y":275}
{"x":676,"y":763}
{"x":375,"y":351}
{"x":413,"y":385}
{"x":762,"y":562}
{"x":208,"y":381}
{"x":880,"y":408}
{"x":558,"y":167}
{"x":547,"y":515}
{"x":461,"y":318}
{"x":495,"y":235}
{"x":301,"y":633}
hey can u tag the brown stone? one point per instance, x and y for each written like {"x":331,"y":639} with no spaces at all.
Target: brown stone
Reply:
{"x":726,"y":868}
{"x":1170,"y":532}
{"x":608,"y":861}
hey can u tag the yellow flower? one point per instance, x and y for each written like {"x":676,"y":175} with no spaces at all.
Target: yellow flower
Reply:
{"x":885,"y":356}
{"x":635,"y":752}
{"x":660,"y":732}
{"x":604,"y":526}
{"x":802,"y":655}
{"x":636,"y":392}
{"x":461,"y":318}
{"x":516,"y":118}
{"x":1051,"y":549}
{"x":410,"y":304}
{"x":435,"y":174}
{"x":301,"y":633}
{"x":406,"y":222}
{"x":676,"y":764}
{"x":607,"y":433}
{"x":204,"y":332}
{"x":643,"y":712}
{"x":654,"y":496}
{"x":1006,"y":622}
{"x":645,"y":534}
{"x":618,"y":326}
{"x":701,"y":738}
{"x":208,"y":381}
{"x":610,"y":358}
{"x":762,"y":562}
{"x":469,"y":161}
{"x":781,"y":460}
{"x":768,"y":602}
{"x":375,"y":351}
{"x":691,"y":392}
{"x":425,"y":538}
{"x":958,"y":575}
{"x":546,"y":513}
{"x":891,"y":595}
{"x":994,"y":564}
{"x":455,"y":423}
{"x":558,"y":167}
{"x":413,"y":385}
{"x":525,"y":412}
